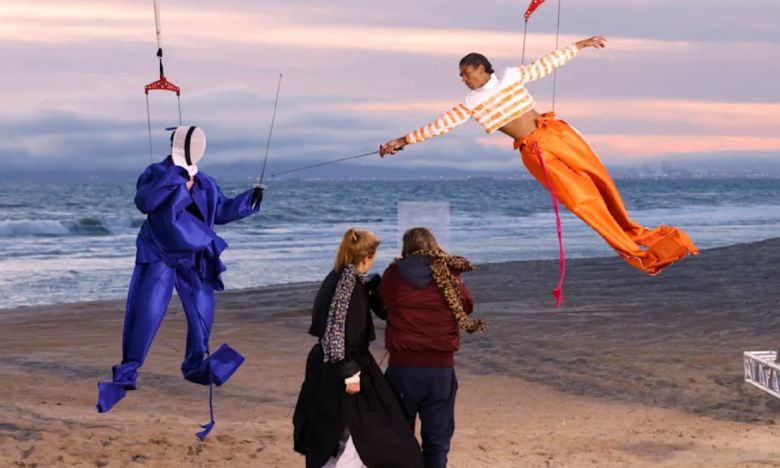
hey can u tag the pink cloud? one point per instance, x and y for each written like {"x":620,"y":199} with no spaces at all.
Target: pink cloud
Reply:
{"x":402,"y":107}
{"x":715,"y":118}
{"x":48,"y":21}
{"x":634,"y":147}
{"x":637,"y":147}
{"x":229,"y":35}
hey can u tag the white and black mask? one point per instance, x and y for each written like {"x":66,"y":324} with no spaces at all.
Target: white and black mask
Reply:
{"x":188,"y":146}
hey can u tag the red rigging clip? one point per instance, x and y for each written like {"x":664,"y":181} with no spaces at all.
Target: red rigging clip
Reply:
{"x":163,"y":85}
{"x":531,"y":8}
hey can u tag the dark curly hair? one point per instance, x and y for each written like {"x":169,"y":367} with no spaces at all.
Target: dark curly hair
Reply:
{"x":474,"y":59}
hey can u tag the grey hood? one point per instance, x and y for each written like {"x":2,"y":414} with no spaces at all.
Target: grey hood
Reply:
{"x":416,"y":270}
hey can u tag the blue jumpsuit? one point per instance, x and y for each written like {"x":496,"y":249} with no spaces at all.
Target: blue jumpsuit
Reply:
{"x":177,"y":247}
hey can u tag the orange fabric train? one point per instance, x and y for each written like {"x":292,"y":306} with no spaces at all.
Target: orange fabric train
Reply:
{"x":581,"y":182}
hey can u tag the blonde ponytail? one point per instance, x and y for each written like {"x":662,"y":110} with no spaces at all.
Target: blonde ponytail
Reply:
{"x":356,"y":246}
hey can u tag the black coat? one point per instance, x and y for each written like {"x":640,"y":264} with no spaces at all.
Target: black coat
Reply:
{"x":379,"y":430}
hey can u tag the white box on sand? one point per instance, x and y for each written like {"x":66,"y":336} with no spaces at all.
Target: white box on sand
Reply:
{"x":432,"y":215}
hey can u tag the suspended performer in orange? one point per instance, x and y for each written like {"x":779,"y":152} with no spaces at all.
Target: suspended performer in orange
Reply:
{"x":555,"y":153}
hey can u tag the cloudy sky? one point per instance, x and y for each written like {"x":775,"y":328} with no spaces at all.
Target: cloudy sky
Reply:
{"x":679,"y":78}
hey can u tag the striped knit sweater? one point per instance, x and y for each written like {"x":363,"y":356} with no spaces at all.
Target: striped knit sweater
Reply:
{"x":499,"y":101}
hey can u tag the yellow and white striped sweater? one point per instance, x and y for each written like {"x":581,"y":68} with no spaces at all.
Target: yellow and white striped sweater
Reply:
{"x":499,"y":101}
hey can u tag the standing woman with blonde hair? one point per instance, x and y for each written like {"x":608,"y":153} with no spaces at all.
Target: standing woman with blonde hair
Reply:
{"x":347,"y":414}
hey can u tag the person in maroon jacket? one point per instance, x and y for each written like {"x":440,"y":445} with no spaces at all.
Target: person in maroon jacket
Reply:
{"x":425,"y":304}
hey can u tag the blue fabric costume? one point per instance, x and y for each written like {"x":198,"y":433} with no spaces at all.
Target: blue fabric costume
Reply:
{"x":177,"y":247}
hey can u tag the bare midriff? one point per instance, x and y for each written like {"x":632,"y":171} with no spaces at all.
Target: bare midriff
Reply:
{"x":522,"y":126}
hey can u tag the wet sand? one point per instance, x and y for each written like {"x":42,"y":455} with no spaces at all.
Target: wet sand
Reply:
{"x":631,"y":371}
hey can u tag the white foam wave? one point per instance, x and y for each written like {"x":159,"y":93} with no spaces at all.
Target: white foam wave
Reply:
{"x":80,"y":227}
{"x":33,"y":227}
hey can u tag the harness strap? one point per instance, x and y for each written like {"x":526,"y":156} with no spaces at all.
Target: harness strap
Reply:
{"x":558,"y":291}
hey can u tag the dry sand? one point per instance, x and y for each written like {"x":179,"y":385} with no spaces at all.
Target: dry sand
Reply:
{"x":632,"y":371}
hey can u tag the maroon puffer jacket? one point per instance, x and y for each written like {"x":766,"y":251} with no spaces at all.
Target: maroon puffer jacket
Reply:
{"x":421,"y":330}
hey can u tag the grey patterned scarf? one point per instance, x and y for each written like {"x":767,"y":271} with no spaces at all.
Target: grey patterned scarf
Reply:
{"x":333,"y":341}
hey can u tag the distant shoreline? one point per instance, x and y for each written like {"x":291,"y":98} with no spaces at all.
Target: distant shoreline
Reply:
{"x":365,"y":175}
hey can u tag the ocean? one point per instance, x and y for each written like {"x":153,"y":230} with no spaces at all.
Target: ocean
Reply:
{"x":73,"y":242}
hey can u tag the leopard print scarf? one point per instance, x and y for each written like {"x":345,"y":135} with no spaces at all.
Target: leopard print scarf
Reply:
{"x":441,"y":263}
{"x":333,"y":341}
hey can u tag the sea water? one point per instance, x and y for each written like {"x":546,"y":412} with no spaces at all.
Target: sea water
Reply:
{"x":74,"y":242}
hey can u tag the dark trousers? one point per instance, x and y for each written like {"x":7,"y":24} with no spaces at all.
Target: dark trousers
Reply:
{"x":429,"y":392}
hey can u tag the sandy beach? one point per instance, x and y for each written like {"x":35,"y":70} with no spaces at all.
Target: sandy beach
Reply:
{"x":631,"y":371}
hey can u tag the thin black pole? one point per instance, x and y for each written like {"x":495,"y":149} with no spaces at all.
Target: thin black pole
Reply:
{"x":149,"y":126}
{"x":555,"y":72}
{"x":271,"y":130}
{"x":178,"y":98}
{"x":525,"y":34}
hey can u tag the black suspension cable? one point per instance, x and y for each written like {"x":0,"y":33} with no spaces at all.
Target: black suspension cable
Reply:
{"x":311,"y":166}
{"x":555,"y":72}
{"x":271,"y":130}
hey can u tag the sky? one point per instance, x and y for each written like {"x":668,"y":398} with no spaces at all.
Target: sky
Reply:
{"x":679,"y":78}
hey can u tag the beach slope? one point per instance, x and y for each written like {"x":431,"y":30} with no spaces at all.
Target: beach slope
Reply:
{"x":631,"y":371}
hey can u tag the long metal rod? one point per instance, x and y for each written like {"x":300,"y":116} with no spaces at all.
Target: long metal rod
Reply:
{"x":311,"y":166}
{"x":271,"y":130}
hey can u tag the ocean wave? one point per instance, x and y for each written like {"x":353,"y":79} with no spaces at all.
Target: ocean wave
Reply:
{"x":80,"y":227}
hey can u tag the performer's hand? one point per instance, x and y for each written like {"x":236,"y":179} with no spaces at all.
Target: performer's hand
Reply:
{"x":372,"y":281}
{"x":392,"y":146}
{"x":184,"y":173}
{"x":191,"y":171}
{"x":353,"y":388}
{"x":257,"y":195}
{"x":597,"y":42}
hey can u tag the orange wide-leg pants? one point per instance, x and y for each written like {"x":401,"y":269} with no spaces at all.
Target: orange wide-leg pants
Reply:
{"x":581,"y":182}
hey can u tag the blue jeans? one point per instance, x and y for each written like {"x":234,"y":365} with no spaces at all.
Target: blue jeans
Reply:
{"x":429,"y":392}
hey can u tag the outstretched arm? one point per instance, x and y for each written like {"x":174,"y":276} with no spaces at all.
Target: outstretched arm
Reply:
{"x":458,"y":115}
{"x":545,"y":65}
{"x":241,"y":206}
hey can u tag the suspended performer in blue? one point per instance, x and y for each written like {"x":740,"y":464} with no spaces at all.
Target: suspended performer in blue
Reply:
{"x":178,"y":248}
